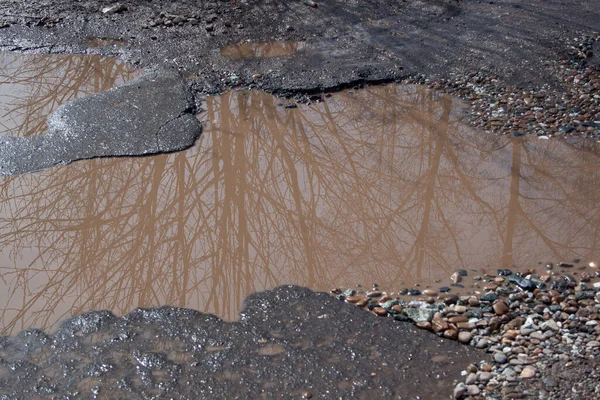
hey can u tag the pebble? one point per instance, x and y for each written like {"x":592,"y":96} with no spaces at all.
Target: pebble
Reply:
{"x":460,"y":390}
{"x":465,"y":337}
{"x":473,"y":390}
{"x":528,"y":372}
{"x":500,"y":358}
{"x":501,"y":308}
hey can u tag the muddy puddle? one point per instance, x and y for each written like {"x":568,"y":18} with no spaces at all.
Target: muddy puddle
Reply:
{"x":262,"y":49}
{"x":380,"y":185}
{"x":32,"y":85}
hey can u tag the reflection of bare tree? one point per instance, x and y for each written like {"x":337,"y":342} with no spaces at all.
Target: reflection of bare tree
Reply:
{"x":31,"y":86}
{"x":379,"y":185}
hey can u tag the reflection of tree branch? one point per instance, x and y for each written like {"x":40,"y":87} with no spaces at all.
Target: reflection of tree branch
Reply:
{"x":40,"y":83}
{"x":329,"y":194}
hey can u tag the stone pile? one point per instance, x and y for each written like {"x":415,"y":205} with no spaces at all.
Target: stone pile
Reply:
{"x":569,"y":108}
{"x":532,"y":324}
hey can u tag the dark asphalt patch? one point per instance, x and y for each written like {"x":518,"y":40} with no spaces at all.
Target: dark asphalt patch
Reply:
{"x":290,"y":343}
{"x":152,"y":114}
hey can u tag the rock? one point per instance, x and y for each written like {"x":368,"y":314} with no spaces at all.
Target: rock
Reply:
{"x":256,"y":76}
{"x":353,"y":299}
{"x":465,"y":337}
{"x":457,"y":319}
{"x":473,"y":390}
{"x":372,"y":293}
{"x":456,"y":277}
{"x":397,"y":308}
{"x":528,"y":372}
{"x":500,"y":358}
{"x":593,"y":343}
{"x":460,"y":390}
{"x":537,"y":335}
{"x":113,"y":9}
{"x":500,"y":308}
{"x":460,"y":309}
{"x":489,"y":297}
{"x":471,"y":379}
{"x":467,"y":326}
{"x":482,"y":344}
{"x":382,"y":312}
{"x":473,"y":301}
{"x":424,"y":325}
{"x":418,"y":314}
{"x":439,"y":325}
{"x":485,"y":376}
{"x":451,"y":334}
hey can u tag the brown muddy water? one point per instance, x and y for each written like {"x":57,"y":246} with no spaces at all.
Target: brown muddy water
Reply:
{"x":33,"y":85}
{"x":261,"y":49}
{"x":379,"y":185}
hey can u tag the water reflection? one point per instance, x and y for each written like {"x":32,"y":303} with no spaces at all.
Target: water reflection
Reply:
{"x":262,"y":49}
{"x":32,"y":85}
{"x":379,"y":185}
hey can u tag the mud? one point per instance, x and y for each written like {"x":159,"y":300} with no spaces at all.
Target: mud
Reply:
{"x":382,"y":185}
{"x":290,"y":343}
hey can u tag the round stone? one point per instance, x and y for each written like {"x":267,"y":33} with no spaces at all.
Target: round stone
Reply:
{"x":473,"y":390}
{"x":500,"y":358}
{"x":460,"y":390}
{"x":528,"y":372}
{"x":465,"y":336}
{"x":500,"y":308}
{"x":382,"y":312}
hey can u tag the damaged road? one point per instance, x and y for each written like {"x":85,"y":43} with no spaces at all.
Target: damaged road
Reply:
{"x":152,"y":114}
{"x":333,"y":45}
{"x":290,"y":343}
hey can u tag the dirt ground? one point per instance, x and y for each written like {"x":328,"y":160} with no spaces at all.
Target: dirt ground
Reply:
{"x":347,"y":42}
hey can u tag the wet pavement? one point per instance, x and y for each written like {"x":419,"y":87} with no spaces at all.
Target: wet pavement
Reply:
{"x":154,"y":113}
{"x":33,"y":85}
{"x":290,"y":343}
{"x":379,"y":185}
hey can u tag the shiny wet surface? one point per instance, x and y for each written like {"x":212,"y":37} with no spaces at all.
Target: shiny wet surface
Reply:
{"x":290,"y":343}
{"x":261,"y":49}
{"x":380,"y":185}
{"x":32,"y":85}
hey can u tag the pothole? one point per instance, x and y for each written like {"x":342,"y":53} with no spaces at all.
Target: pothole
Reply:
{"x":379,"y":185}
{"x":262,"y":49}
{"x":33,"y":85}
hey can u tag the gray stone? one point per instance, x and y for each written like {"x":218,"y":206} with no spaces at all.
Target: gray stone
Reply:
{"x":485,"y":376}
{"x":473,"y":390}
{"x":465,"y":337}
{"x":500,"y":358}
{"x":549,"y":325}
{"x":460,"y":390}
{"x":418,"y":314}
{"x":471,"y":379}
{"x":537,"y":335}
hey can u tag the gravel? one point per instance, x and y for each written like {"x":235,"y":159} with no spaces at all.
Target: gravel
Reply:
{"x":540,"y":337}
